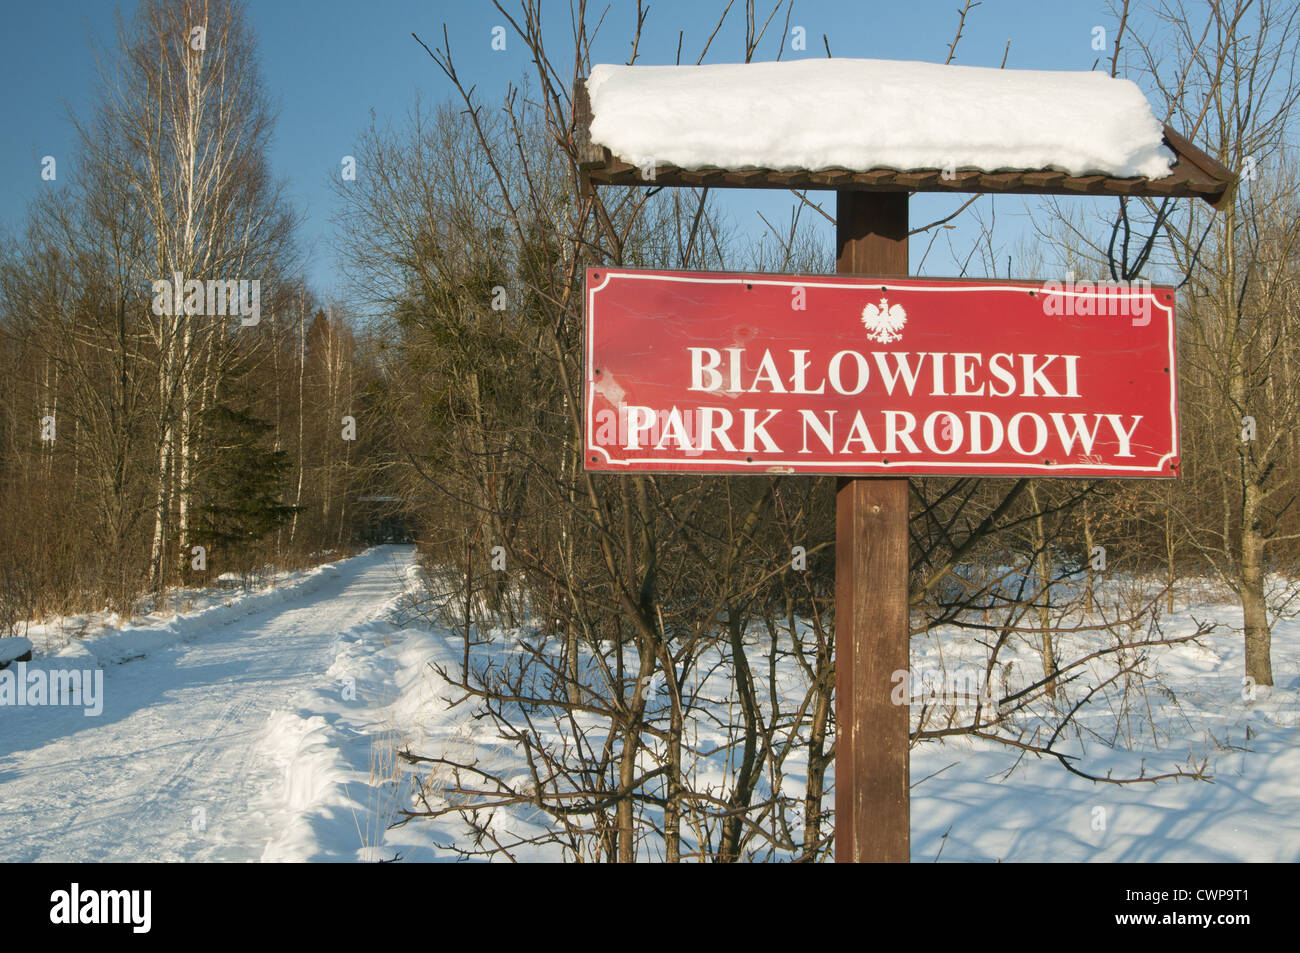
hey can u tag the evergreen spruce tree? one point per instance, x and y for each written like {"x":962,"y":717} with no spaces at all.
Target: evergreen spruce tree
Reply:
{"x":242,"y":485}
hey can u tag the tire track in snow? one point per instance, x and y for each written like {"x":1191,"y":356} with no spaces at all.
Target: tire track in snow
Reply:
{"x":179,"y":731}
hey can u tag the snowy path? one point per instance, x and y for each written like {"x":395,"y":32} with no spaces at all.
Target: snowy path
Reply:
{"x":174,"y":767}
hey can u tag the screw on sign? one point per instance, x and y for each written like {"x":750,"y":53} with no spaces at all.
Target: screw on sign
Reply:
{"x":889,"y":376}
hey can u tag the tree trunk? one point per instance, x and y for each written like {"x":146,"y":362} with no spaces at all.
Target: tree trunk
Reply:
{"x":1259,"y":664}
{"x":1043,"y":570}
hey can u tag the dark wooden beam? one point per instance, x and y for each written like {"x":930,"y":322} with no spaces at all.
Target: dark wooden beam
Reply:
{"x":872,"y":818}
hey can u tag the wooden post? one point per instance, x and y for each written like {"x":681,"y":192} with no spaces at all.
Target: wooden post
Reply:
{"x":872,"y":818}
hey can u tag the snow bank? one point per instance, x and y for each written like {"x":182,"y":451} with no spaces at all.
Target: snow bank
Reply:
{"x":106,"y":644}
{"x":342,"y":784}
{"x":867,"y":114}
{"x":14,"y":648}
{"x":335,"y":752}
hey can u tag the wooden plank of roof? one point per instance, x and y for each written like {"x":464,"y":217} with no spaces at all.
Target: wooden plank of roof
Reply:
{"x":1220,"y":180}
{"x":833,"y":178}
{"x":875,"y":177}
{"x":1169,"y":187}
{"x":920,"y":181}
{"x":1044,"y":181}
{"x":961,"y":180}
{"x":1047,"y":182}
{"x":1000,"y":181}
{"x":700,"y":177}
{"x":1193,"y":175}
{"x":589,"y":155}
{"x":1122,"y":186}
{"x":788,"y":179}
{"x":1084,"y":183}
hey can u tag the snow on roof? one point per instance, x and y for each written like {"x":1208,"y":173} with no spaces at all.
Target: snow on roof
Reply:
{"x":867,"y":114}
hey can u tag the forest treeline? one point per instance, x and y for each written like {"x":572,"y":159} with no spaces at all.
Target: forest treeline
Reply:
{"x":153,"y":432}
{"x":464,"y":238}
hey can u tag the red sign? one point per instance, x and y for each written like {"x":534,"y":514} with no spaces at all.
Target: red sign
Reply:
{"x":738,"y":373}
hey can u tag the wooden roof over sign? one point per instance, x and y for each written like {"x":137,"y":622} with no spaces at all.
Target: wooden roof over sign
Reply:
{"x":1193,"y":175}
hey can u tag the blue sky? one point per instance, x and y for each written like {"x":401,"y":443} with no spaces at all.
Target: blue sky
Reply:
{"x":328,"y":63}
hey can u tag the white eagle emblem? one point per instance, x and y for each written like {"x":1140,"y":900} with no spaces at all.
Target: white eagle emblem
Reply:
{"x":884,"y":323}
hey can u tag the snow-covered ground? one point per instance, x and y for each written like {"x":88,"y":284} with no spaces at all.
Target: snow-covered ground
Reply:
{"x":265,"y":725}
{"x":181,"y":763}
{"x":967,"y":803}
